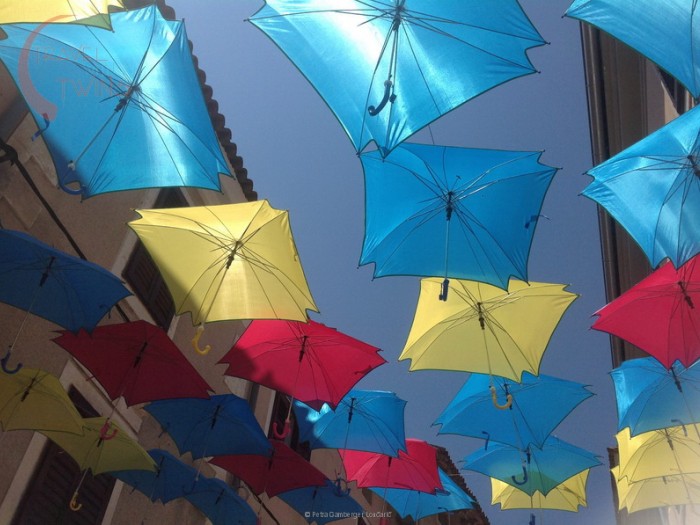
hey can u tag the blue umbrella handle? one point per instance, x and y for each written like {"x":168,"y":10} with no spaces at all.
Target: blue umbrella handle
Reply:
{"x":284,"y":432}
{"x":488,"y":438}
{"x":65,"y":188}
{"x":444,"y":288}
{"x":195,"y":342}
{"x":388,"y":97}
{"x":3,"y":364}
{"x":494,"y":400}
{"x":525,"y":478}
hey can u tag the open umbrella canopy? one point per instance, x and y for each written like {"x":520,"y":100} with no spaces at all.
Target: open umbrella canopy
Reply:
{"x":664,"y":32}
{"x":569,"y":495}
{"x":650,"y":396}
{"x":418,"y":505}
{"x":652,"y":189}
{"x":36,"y":400}
{"x":279,"y":471}
{"x":452,"y":212}
{"x":660,"y":314}
{"x":136,"y":361}
{"x":171,"y":479}
{"x":502,"y":410}
{"x":103,"y":97}
{"x":415,"y":469}
{"x":657,"y":492}
{"x":222,"y":424}
{"x":666,"y":452}
{"x":368,"y":420}
{"x":87,"y":12}
{"x":534,"y":468}
{"x":481,"y":328}
{"x":103,"y":447}
{"x":220,"y":503}
{"x":71,"y":292}
{"x":310,"y":361}
{"x":322,"y":504}
{"x":231,"y":261}
{"x":387,"y":69}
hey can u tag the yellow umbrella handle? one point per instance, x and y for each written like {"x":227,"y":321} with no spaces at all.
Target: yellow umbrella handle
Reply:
{"x":494,"y":399}
{"x":74,"y":505}
{"x":195,"y":342}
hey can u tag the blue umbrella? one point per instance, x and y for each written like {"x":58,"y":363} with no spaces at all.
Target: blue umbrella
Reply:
{"x":222,"y":424}
{"x":532,"y":468}
{"x":665,"y":32}
{"x":653,"y":190}
{"x":71,"y":292}
{"x":518,"y":414}
{"x":452,"y":212}
{"x":369,"y":420}
{"x":120,"y":109}
{"x":322,"y":505}
{"x":172,"y":478}
{"x":652,"y":397}
{"x":220,"y":503}
{"x":389,"y":68}
{"x":418,"y":504}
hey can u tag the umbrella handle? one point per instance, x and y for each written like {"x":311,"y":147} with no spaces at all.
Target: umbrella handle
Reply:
{"x":104,"y":432}
{"x":284,"y":432}
{"x":525,"y":478}
{"x":3,"y":364}
{"x":494,"y":399}
{"x":65,"y":188}
{"x":388,"y":97}
{"x":337,"y":487}
{"x":74,"y":505}
{"x":532,"y":520}
{"x":195,"y":342}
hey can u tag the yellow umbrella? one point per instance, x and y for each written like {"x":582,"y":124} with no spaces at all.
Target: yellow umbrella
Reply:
{"x":664,"y":491}
{"x":665,"y":452}
{"x":87,"y":12}
{"x":103,"y":447}
{"x":233,"y":261}
{"x":35,"y":400}
{"x":482,"y":328}
{"x":568,"y":495}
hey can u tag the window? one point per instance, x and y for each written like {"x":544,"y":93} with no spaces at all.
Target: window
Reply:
{"x":142,"y":273}
{"x":679,"y":95}
{"x":51,"y":488}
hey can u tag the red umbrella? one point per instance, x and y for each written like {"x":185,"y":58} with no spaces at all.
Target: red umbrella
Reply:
{"x":137,"y":361}
{"x":660,"y":314}
{"x":310,"y":362}
{"x":415,"y":469}
{"x":281,"y":471}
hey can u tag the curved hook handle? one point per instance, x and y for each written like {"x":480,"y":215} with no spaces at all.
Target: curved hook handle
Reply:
{"x":105,"y":435}
{"x":525,"y":478}
{"x":532,"y":519}
{"x":488,"y":438}
{"x":61,"y":184}
{"x":284,"y":432}
{"x":494,"y":399}
{"x":195,"y":342}
{"x":338,"y":489}
{"x":444,"y":288}
{"x":74,"y":505}
{"x":3,"y":364}
{"x":388,"y":97}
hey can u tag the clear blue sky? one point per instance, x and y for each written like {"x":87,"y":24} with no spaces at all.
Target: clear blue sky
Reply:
{"x":300,"y":159}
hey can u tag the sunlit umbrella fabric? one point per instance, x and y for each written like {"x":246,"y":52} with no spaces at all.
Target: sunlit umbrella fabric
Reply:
{"x":657,"y":492}
{"x":538,"y":404}
{"x":482,"y":328}
{"x":88,"y":12}
{"x":367,"y":420}
{"x":36,"y":400}
{"x":120,"y":109}
{"x":309,"y":361}
{"x":231,"y":261}
{"x":452,"y":212}
{"x":137,"y":361}
{"x":569,"y":495}
{"x":652,"y":189}
{"x":660,"y":314}
{"x":650,"y":396}
{"x":387,"y":69}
